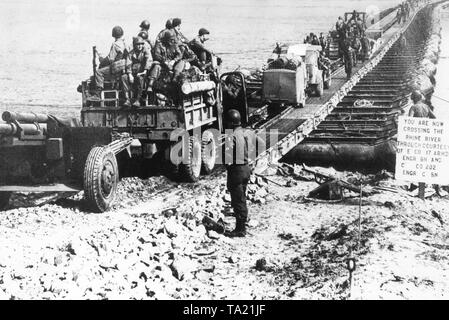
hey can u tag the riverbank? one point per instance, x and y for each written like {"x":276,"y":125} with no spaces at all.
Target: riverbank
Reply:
{"x":153,"y":246}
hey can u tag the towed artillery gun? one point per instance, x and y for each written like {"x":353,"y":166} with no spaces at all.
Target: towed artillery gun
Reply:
{"x":43,"y":153}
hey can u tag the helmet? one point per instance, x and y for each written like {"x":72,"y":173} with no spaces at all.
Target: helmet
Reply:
{"x":117,"y":32}
{"x":168,"y":35}
{"x":176,"y":22}
{"x":138,"y":40}
{"x":169,"y":24}
{"x":143,"y":35}
{"x":416,"y":96}
{"x":203,"y":31}
{"x":233,"y":117}
{"x":145,"y":24}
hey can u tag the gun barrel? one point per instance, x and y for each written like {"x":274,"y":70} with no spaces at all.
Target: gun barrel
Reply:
{"x":8,"y":129}
{"x":29,"y":129}
{"x":26,"y":117}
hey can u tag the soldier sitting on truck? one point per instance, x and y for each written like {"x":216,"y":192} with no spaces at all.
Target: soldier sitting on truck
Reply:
{"x":168,"y":27}
{"x":138,"y":64}
{"x":176,"y":25}
{"x":111,"y":66}
{"x":148,"y":45}
{"x":197,"y":45}
{"x":145,"y":28}
{"x":168,"y":55}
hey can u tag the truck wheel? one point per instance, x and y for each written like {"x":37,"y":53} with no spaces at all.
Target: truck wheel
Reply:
{"x":4,"y":199}
{"x":100,"y":179}
{"x":191,"y":170}
{"x":208,"y":152}
{"x":319,"y":88}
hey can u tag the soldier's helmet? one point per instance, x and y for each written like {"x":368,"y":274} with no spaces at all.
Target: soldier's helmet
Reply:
{"x":145,"y":24}
{"x":176,"y":22}
{"x":168,"y":36}
{"x":233,"y":118}
{"x":117,"y":32}
{"x":169,"y":24}
{"x":143,"y":35}
{"x":203,"y":31}
{"x":138,"y":40}
{"x":416,"y":96}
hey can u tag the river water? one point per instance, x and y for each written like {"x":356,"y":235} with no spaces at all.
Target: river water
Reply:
{"x":47,"y":44}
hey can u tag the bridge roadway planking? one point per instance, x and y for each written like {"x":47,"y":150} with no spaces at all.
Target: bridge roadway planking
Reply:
{"x":294,"y":126}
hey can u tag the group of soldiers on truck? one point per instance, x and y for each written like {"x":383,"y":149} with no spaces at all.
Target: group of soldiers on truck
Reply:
{"x":139,"y":67}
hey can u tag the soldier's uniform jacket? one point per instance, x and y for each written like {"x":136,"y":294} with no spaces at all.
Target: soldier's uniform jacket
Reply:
{"x":197,"y":46}
{"x":137,"y":62}
{"x":421,"y":110}
{"x":164,"y":54}
{"x":241,"y":144}
{"x":117,"y":53}
{"x":181,"y":38}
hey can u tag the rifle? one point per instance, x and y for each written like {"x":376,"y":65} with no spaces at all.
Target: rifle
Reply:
{"x":323,"y":179}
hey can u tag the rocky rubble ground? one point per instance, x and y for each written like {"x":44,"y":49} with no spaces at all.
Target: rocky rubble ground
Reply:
{"x":153,"y":244}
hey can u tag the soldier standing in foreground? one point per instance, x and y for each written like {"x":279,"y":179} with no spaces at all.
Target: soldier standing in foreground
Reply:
{"x":238,"y":173}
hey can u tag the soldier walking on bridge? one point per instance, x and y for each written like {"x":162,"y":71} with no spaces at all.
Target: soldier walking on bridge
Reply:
{"x":348,"y":56}
{"x":238,"y":172}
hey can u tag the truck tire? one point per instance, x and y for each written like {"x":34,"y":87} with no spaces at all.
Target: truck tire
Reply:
{"x":191,"y":171}
{"x":4,"y":199}
{"x":208,"y":152}
{"x":101,"y":177}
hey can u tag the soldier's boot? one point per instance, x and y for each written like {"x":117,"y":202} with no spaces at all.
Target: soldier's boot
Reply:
{"x":239,"y":231}
{"x":136,"y":103}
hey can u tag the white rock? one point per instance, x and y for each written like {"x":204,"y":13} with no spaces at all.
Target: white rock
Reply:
{"x":213,"y":235}
{"x":183,"y":268}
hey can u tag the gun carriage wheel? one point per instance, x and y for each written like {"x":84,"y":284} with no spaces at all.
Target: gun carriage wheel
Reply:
{"x":101,"y":177}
